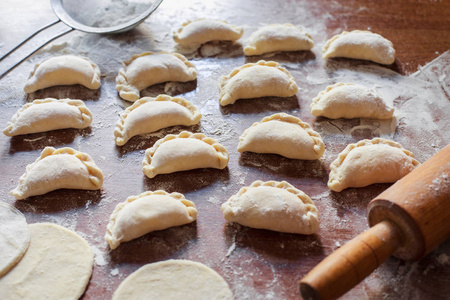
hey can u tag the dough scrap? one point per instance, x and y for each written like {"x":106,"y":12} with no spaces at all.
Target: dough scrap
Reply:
{"x":273,"y":205}
{"x":182,"y":152}
{"x":278,"y":37}
{"x":368,"y":162}
{"x":152,"y":114}
{"x":14,"y":237}
{"x":174,"y":279}
{"x":64,"y":70}
{"x":360,"y":44}
{"x":206,"y":30}
{"x":348,"y":100}
{"x":255,"y":80}
{"x":282,"y":134}
{"x":49,"y":114}
{"x":63,"y":168}
{"x":57,"y":265}
{"x":148,"y":68}
{"x":150,"y":211}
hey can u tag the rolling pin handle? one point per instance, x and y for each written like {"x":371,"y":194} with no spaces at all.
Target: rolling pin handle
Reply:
{"x":351,"y":263}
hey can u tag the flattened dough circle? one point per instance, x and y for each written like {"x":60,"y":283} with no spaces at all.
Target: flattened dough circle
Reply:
{"x":14,"y":237}
{"x":57,"y":265}
{"x":174,"y":279}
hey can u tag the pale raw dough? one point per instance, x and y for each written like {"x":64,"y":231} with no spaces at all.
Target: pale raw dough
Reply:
{"x":182,"y":152}
{"x":64,"y":70}
{"x":49,"y":114}
{"x":282,"y":134}
{"x":359,"y":44}
{"x":273,"y":205}
{"x":278,"y":37}
{"x":151,"y":114}
{"x":148,"y":68}
{"x":57,"y":265}
{"x":63,"y":168}
{"x":348,"y":100}
{"x":368,"y":162}
{"x":255,"y":80}
{"x":174,"y":279}
{"x":149,"y":211}
{"x":14,"y":237}
{"x":206,"y":30}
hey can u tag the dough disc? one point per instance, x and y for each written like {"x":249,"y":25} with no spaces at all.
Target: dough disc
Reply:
{"x":174,"y":279}
{"x":14,"y":237}
{"x":57,"y":265}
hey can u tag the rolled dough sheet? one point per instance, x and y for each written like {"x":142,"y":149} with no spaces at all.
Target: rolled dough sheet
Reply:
{"x":57,"y":265}
{"x":14,"y":237}
{"x":174,"y":279}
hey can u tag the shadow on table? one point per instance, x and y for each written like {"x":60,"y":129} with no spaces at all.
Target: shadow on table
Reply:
{"x":186,"y":181}
{"x":58,"y":201}
{"x":259,"y":105}
{"x":155,"y":246}
{"x":67,"y":91}
{"x":283,"y":57}
{"x":357,"y":197}
{"x":280,"y":165}
{"x":285,"y":246}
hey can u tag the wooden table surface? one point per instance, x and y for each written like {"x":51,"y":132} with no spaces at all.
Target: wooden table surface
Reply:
{"x":257,"y":264}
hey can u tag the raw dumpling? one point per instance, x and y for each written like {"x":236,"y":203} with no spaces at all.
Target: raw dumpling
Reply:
{"x":348,"y":100}
{"x":148,"y":68}
{"x":182,"y":152}
{"x":152,"y":114}
{"x":272,"y":205}
{"x":255,"y":80}
{"x":149,"y":211}
{"x":359,"y":44}
{"x":64,"y":70}
{"x":174,"y":279}
{"x":282,"y":134}
{"x":63,"y":168}
{"x":14,"y":237}
{"x":278,"y":37}
{"x":57,"y":265}
{"x":368,"y":162}
{"x":49,"y":114}
{"x":205,"y":30}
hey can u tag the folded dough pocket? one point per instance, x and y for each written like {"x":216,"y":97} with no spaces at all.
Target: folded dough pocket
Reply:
{"x":285,"y":135}
{"x":206,"y":30}
{"x":360,"y":44}
{"x":152,"y":114}
{"x":182,"y":152}
{"x":64,"y":70}
{"x":150,"y":211}
{"x":368,"y":162}
{"x":273,"y":205}
{"x":254,"y":80}
{"x":49,"y":114}
{"x":63,"y":168}
{"x":146,"y":69}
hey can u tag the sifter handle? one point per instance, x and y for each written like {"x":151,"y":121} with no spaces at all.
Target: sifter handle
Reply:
{"x":351,"y":263}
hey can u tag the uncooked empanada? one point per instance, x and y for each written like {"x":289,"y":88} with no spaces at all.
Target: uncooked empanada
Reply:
{"x":359,"y":44}
{"x":182,"y":152}
{"x":273,"y":205}
{"x":206,"y":30}
{"x":282,"y":134}
{"x":64,"y":70}
{"x":49,"y":114}
{"x":148,"y":68}
{"x":348,"y":100}
{"x":63,"y":168}
{"x":255,"y":80}
{"x":152,"y":114}
{"x":150,"y":211}
{"x":278,"y":37}
{"x":368,"y":162}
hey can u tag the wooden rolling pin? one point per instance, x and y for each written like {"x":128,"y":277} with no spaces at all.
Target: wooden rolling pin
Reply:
{"x":408,"y":220}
